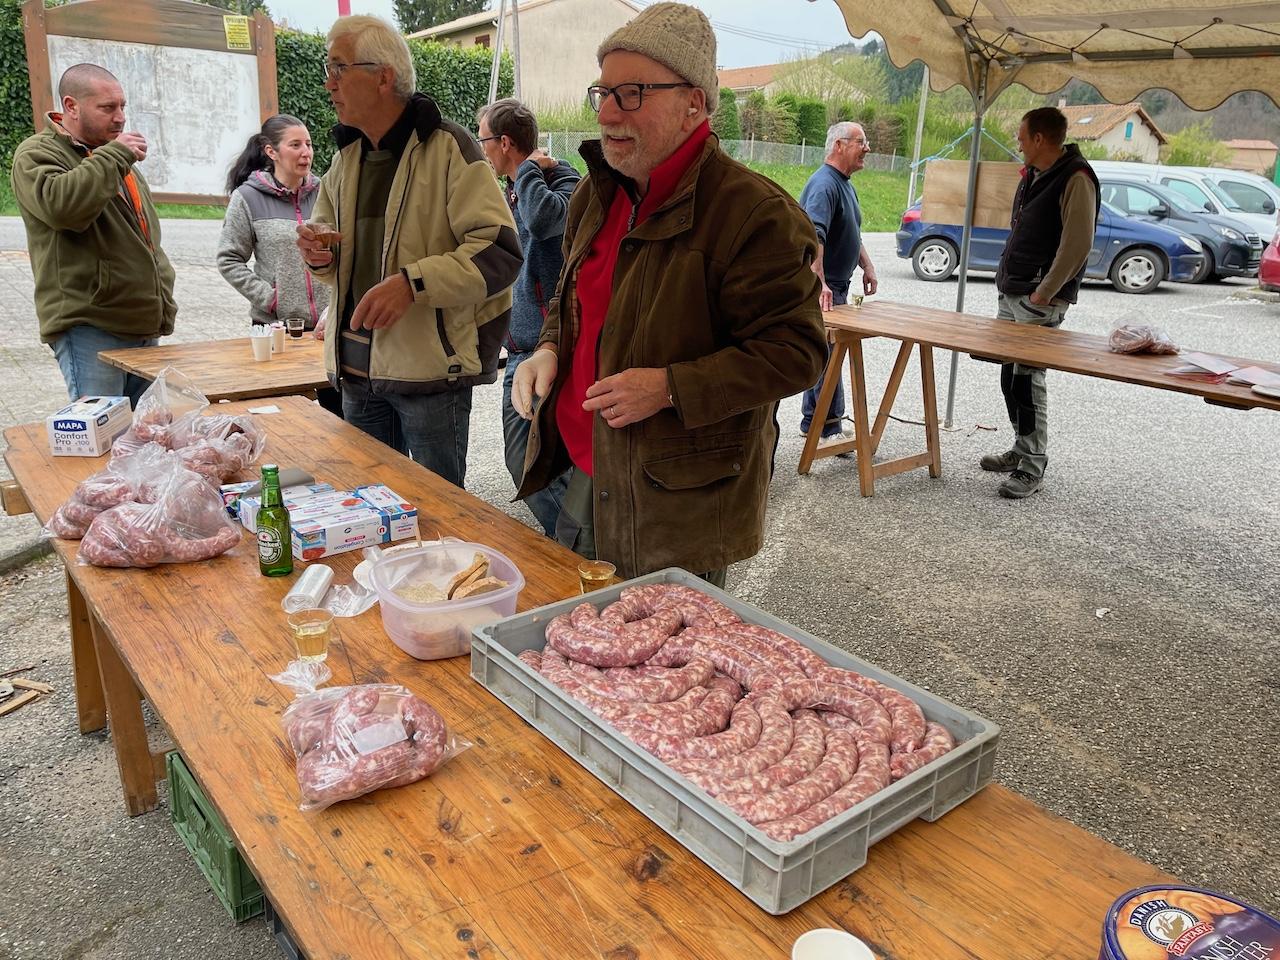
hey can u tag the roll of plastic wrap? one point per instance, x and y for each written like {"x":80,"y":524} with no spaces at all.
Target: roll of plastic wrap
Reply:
{"x":308,"y":593}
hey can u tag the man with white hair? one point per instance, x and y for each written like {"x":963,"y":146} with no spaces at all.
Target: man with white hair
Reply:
{"x":832,"y":204}
{"x":102,"y":280}
{"x":686,"y":309}
{"x":425,"y":256}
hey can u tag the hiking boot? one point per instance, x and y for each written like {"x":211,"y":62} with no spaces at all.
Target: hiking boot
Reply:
{"x":1006,"y":462}
{"x":1020,"y":484}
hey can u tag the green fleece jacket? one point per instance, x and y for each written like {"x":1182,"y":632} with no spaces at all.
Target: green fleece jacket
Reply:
{"x":91,"y":261}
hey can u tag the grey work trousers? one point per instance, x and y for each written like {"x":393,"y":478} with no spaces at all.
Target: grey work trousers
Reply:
{"x":1026,"y":396}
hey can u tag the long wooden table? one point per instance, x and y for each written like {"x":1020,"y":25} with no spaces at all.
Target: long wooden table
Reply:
{"x":921,"y":329}
{"x":226,"y":369}
{"x":511,"y":849}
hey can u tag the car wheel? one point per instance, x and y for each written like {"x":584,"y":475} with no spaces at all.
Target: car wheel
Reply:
{"x":1206,"y":269}
{"x":1137,"y":271}
{"x":935,"y":259}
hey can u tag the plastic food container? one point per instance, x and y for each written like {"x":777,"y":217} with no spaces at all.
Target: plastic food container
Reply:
{"x":1161,"y":922}
{"x":432,"y":631}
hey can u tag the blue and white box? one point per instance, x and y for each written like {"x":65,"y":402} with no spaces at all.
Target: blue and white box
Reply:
{"x":88,"y":427}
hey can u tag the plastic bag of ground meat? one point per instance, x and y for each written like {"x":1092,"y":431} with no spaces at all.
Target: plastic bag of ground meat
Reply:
{"x":164,"y":408}
{"x":1140,"y":338}
{"x":137,"y":477}
{"x":218,"y":446}
{"x":350,"y":741}
{"x":183,"y":521}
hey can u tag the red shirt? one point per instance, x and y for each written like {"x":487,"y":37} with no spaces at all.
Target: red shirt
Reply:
{"x":595,"y":291}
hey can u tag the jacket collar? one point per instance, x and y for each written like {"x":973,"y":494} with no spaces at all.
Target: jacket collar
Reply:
{"x":426,"y":121}
{"x":264,"y":182}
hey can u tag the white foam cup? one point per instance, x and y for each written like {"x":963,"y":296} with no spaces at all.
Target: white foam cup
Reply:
{"x":261,"y":348}
{"x":827,"y":944}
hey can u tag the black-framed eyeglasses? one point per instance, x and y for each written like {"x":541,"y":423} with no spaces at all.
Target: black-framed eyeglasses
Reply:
{"x":497,"y":136}
{"x":629,"y":95}
{"x":334,"y":71}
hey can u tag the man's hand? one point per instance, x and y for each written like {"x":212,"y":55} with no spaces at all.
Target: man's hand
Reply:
{"x":384,"y":304}
{"x":1038,"y":300}
{"x":533,"y":378}
{"x":869,"y":280}
{"x":318,"y":332}
{"x":630,"y":396}
{"x":825,"y":300}
{"x":542,"y":159}
{"x":135,"y":142}
{"x":317,"y":253}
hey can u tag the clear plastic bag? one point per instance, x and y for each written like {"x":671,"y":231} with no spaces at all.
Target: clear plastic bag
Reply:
{"x":1140,"y":338}
{"x":164,"y":408}
{"x":350,"y":741}
{"x":138,"y":477}
{"x":219,"y":446}
{"x":184,"y":522}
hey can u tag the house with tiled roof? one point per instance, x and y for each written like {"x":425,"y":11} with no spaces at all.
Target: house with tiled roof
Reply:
{"x":1124,"y":129}
{"x":744,"y":80}
{"x":1254,"y":156}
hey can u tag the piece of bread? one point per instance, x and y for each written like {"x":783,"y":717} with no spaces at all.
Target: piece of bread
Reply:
{"x":478,"y":567}
{"x":483,"y":585}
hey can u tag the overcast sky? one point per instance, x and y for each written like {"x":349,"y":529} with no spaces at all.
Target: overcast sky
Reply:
{"x":783,"y":29}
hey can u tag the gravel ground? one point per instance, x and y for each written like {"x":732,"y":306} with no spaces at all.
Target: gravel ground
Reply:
{"x":1151,"y":725}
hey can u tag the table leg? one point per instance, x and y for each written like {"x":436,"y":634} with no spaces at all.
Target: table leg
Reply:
{"x":861,"y":429}
{"x":930,"y":411}
{"x":890,"y":394}
{"x":128,"y":730}
{"x":829,"y":382}
{"x":91,"y":707}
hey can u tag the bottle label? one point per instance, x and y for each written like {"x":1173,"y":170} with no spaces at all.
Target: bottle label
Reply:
{"x":270,"y":545}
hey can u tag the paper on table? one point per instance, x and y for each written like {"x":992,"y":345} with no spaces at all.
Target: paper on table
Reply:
{"x":1255,"y":375}
{"x":270,"y":408}
{"x":1205,"y":361}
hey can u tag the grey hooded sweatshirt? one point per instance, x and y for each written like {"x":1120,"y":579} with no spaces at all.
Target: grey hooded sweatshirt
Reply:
{"x":261,"y":223}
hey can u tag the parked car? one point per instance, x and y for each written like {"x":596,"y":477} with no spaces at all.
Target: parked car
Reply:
{"x":1269,"y":271}
{"x":1135,"y":256}
{"x":1228,"y":251}
{"x":1202,"y":189}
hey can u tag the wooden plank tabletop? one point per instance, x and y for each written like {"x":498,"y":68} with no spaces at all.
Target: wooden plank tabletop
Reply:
{"x":1068,"y":350}
{"x":226,"y":370}
{"x":511,"y":849}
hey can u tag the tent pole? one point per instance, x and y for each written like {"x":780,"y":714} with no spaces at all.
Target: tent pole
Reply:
{"x":515,"y":44}
{"x":915,"y":154}
{"x":966,"y":236}
{"x":497,"y":53}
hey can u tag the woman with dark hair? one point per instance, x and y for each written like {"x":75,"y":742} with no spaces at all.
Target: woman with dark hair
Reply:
{"x":272,"y":190}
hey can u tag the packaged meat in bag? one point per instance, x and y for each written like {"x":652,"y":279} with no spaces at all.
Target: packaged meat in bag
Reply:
{"x":164,"y":408}
{"x":350,"y":741}
{"x":137,"y":477}
{"x":219,"y":446}
{"x":185,"y":522}
{"x":1140,"y":338}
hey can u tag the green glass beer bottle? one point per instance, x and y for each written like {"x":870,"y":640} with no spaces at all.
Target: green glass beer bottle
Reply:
{"x":275,"y":545}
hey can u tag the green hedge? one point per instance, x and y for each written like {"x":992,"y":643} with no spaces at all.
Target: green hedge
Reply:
{"x":457,"y":79}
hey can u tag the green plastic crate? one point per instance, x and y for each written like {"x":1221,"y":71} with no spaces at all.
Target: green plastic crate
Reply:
{"x":205,"y":835}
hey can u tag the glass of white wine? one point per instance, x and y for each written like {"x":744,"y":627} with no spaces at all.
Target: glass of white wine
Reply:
{"x":312,"y":632}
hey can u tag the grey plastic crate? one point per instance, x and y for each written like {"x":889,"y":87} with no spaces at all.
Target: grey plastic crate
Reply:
{"x":777,"y":876}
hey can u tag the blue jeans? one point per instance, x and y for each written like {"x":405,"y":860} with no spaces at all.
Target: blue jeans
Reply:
{"x":545,"y":503}
{"x":86,"y":375}
{"x":432,"y":428}
{"x":809,"y":402}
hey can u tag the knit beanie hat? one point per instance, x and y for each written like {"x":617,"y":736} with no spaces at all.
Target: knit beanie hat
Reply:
{"x":677,"y":36}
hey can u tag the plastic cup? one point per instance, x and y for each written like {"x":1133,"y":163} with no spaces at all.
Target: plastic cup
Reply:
{"x":324,"y":233}
{"x":277,"y":338}
{"x":261,"y":348}
{"x":312,"y":631}
{"x":828,"y":944}
{"x":296,"y":326}
{"x":594,"y":574}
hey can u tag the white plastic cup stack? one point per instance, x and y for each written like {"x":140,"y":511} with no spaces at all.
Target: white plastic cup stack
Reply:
{"x":277,"y":337}
{"x":828,"y":944}
{"x":260,"y":340}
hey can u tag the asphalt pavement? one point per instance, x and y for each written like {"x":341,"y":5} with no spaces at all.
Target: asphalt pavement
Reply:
{"x":1121,"y":625}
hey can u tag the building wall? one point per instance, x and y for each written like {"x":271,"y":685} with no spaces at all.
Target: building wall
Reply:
{"x":1252,"y":161}
{"x":558,"y":42}
{"x":1144,"y":143}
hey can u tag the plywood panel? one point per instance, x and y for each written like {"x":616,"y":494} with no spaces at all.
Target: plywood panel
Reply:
{"x":946,"y":183}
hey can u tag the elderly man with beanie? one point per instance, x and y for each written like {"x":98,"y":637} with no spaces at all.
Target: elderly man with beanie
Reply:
{"x":687,"y":308}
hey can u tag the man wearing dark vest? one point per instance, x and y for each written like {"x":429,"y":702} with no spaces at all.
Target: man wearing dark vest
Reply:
{"x":1055,"y":210}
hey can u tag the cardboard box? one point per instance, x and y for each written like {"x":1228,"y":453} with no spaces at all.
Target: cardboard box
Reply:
{"x":88,"y":427}
{"x":325,"y":533}
{"x":400,"y":515}
{"x":246,"y":508}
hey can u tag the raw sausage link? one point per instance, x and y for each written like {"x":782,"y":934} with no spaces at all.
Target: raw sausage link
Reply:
{"x":556,"y":669}
{"x":807,"y":748}
{"x":872,"y":776}
{"x":780,"y":667}
{"x":657,"y":687}
{"x":795,"y":651}
{"x":905,"y":714}
{"x":937,"y":741}
{"x":532,"y":658}
{"x":708,"y":717}
{"x":580,"y":638}
{"x":696,"y":608}
{"x":777,"y":731}
{"x":821,"y":694}
{"x":743,"y":732}
{"x":744,"y":667}
{"x":836,"y":769}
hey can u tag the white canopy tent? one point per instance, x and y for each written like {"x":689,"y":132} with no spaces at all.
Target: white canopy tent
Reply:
{"x":1202,"y":52}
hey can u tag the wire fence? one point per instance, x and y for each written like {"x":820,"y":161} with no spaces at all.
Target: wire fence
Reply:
{"x":565,"y":144}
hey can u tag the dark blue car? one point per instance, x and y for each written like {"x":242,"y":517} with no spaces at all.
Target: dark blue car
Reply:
{"x":1135,"y":256}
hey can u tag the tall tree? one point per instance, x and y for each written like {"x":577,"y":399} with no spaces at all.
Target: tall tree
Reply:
{"x":419,"y":14}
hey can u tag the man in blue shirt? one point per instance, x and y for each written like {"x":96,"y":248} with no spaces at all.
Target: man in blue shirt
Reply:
{"x":538,"y":190}
{"x":832,"y":204}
